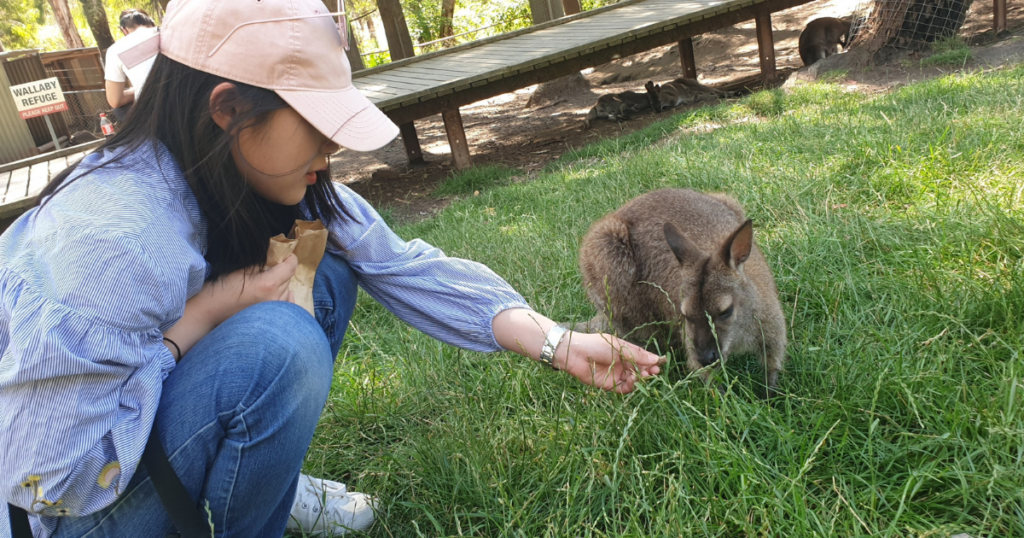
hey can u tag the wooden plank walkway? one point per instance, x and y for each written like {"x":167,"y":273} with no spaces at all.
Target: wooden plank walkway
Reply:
{"x":442,"y":81}
{"x":21,"y":181}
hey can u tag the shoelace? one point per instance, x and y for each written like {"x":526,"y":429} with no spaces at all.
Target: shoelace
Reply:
{"x":332,"y":498}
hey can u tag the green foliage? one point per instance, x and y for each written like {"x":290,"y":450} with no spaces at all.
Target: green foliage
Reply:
{"x":894,"y":225}
{"x":587,"y":5}
{"x":29,"y":24}
{"x":949,"y":51}
{"x":20,"y":23}
{"x":425,"y":21}
{"x":377,"y":58}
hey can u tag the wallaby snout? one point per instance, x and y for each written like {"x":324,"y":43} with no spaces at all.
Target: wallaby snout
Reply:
{"x":681,"y":268}
{"x":708,"y":357}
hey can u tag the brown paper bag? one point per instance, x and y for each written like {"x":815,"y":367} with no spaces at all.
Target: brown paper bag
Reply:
{"x":307,"y":241}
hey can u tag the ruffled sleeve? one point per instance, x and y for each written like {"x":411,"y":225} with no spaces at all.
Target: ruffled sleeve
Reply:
{"x":82,"y":366}
{"x":450,"y":299}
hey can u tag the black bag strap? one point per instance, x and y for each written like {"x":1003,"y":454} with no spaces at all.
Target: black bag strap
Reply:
{"x":173,"y":495}
{"x":20,"y":527}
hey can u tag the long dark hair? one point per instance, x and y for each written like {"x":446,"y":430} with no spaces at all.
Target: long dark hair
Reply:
{"x":174,"y":109}
{"x":133,"y":18}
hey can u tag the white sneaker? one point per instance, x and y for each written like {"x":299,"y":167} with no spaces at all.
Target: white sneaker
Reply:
{"x":325,"y":506}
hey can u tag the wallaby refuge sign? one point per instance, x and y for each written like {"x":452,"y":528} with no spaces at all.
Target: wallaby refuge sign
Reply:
{"x":39,"y":98}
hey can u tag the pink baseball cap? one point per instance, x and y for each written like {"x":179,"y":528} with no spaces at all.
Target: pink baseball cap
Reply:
{"x":293,"y":47}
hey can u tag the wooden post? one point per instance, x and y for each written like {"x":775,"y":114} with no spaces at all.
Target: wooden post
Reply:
{"x":686,"y":58}
{"x":765,"y":45}
{"x":999,"y":16}
{"x":571,"y":7}
{"x":456,"y":138}
{"x":396,"y":31}
{"x":412,"y":143}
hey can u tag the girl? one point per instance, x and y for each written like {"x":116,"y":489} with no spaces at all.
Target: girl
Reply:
{"x":134,"y":304}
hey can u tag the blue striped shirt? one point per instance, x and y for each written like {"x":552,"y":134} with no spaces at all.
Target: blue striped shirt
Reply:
{"x":89,"y":282}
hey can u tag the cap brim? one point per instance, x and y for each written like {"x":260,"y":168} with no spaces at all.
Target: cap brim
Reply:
{"x":346,"y":117}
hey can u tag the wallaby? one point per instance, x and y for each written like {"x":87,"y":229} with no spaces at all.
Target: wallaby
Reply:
{"x":81,"y":137}
{"x":674,"y":259}
{"x":820,"y":38}
{"x":617,"y":106}
{"x":681,"y":91}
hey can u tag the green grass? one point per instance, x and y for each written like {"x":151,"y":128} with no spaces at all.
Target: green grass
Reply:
{"x":950,"y":51}
{"x":893,"y":224}
{"x":475,"y":179}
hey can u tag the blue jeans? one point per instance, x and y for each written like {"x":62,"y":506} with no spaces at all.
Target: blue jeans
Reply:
{"x":237,"y":416}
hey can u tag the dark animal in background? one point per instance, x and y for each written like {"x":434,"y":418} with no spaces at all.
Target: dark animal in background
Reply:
{"x":821,"y":37}
{"x":617,"y":106}
{"x":679,"y":92}
{"x":81,"y":137}
{"x":674,"y":259}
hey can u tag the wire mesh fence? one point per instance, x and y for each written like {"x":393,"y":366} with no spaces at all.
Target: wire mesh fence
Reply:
{"x":83,"y":110}
{"x":904,"y":24}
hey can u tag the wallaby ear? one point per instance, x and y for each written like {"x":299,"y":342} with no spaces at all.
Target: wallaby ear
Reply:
{"x":681,"y":246}
{"x":736,"y":249}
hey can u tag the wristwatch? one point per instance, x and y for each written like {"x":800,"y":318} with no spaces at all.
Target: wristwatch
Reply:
{"x":551,"y":341}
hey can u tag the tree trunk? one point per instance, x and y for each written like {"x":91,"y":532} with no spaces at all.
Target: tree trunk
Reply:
{"x":571,"y":7}
{"x":396,"y":31}
{"x":62,"y":13}
{"x":546,"y":10}
{"x":354,"y":58}
{"x":551,"y":92}
{"x":447,"y":22}
{"x":96,"y":16}
{"x":900,"y":23}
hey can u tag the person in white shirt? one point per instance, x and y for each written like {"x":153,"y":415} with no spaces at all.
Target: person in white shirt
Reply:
{"x":137,"y":26}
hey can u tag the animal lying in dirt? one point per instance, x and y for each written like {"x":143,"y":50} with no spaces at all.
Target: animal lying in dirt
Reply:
{"x":821,"y":37}
{"x":679,"y":92}
{"x":676,"y":266}
{"x":617,"y":106}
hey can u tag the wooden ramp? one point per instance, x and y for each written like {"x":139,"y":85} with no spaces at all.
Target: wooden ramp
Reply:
{"x":22,"y":180}
{"x":441,"y":82}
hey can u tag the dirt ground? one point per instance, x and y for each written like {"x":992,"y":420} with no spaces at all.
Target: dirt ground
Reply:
{"x":502,"y":130}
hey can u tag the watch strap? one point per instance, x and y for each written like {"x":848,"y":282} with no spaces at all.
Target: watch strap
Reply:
{"x":551,"y":341}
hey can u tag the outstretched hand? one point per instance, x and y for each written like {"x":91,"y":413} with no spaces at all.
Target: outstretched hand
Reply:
{"x":606,"y":361}
{"x":599,"y":360}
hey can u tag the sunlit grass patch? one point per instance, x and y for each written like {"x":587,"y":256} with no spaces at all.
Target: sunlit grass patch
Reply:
{"x":893,"y":224}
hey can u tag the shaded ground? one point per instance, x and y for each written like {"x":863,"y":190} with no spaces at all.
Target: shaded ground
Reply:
{"x":502,"y":130}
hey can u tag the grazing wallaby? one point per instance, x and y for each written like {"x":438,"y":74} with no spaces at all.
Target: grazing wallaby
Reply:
{"x":617,"y":106}
{"x":681,"y":91}
{"x":677,"y":258}
{"x":820,"y":38}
